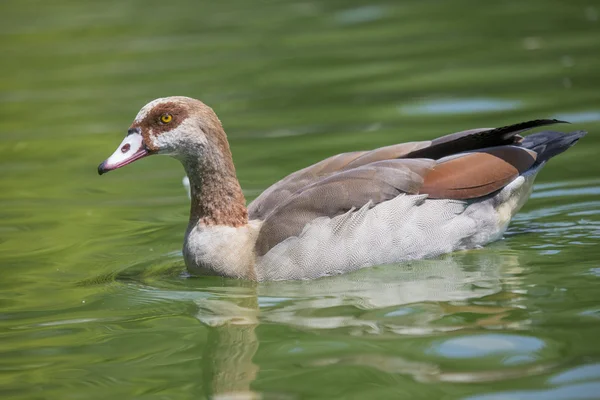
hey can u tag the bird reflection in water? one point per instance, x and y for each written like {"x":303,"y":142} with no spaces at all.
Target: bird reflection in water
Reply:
{"x":408,"y":299}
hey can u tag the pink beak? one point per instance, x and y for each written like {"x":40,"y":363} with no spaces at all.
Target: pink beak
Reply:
{"x":132,"y":148}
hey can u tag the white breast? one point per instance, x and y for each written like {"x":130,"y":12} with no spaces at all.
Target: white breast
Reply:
{"x":221,"y":250}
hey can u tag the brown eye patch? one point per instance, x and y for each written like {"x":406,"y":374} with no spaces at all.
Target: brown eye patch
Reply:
{"x":155,"y":119}
{"x":176,"y":113}
{"x":152,"y":124}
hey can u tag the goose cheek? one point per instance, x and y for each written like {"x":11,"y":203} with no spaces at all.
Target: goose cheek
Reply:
{"x":132,"y":148}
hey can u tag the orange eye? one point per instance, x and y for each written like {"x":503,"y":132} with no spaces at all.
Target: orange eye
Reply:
{"x":166,"y":118}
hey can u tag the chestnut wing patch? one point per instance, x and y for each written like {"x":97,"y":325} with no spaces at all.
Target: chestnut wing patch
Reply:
{"x":471,"y":175}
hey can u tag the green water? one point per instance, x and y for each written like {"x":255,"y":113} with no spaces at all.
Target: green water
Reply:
{"x":94,"y":299}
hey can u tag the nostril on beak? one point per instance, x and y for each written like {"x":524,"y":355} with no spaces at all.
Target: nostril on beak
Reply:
{"x":131,"y":131}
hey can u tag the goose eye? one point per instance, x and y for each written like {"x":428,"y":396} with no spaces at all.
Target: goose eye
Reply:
{"x":166,"y":118}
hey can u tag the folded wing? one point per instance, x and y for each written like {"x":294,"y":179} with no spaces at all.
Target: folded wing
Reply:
{"x":463,"y":165}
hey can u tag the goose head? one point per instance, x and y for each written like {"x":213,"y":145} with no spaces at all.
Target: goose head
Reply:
{"x":181,"y":127}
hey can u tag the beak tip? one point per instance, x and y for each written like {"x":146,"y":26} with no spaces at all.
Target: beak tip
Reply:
{"x":101,"y":169}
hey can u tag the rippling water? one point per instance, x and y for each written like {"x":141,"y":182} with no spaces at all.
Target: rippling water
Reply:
{"x":94,"y":298}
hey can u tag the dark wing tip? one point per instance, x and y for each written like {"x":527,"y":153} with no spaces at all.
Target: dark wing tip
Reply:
{"x":559,"y":121}
{"x":506,"y":132}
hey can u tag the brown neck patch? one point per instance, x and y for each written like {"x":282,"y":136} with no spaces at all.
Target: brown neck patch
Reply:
{"x":217,"y":198}
{"x":218,"y":201}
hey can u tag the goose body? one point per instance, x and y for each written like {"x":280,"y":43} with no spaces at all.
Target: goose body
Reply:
{"x":353,"y":210}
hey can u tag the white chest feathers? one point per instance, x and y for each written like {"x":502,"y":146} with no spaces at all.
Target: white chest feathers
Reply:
{"x":221,"y":250}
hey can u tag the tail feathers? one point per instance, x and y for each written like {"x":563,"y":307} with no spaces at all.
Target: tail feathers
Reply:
{"x":548,"y":144}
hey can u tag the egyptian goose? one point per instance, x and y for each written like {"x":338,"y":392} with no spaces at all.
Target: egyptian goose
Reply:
{"x":401,"y":202}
